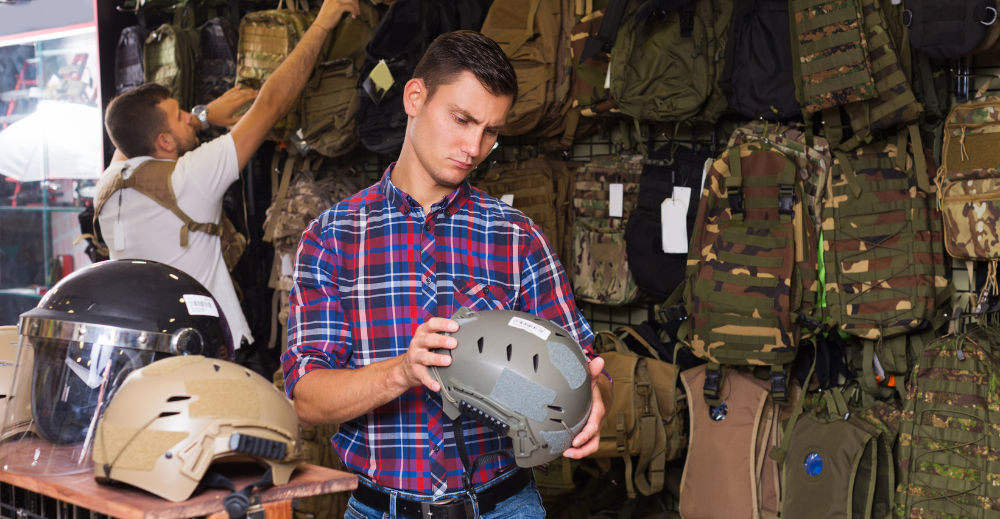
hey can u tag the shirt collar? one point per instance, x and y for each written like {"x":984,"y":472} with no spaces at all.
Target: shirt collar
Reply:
{"x":450,"y":204}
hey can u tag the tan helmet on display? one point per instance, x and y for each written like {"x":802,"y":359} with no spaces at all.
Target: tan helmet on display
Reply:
{"x":170,"y":420}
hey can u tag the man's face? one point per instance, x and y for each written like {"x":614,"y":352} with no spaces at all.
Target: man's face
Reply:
{"x":179,"y":126}
{"x":454,"y":130}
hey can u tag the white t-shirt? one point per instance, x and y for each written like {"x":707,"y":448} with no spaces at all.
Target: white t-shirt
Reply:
{"x":152,"y":232}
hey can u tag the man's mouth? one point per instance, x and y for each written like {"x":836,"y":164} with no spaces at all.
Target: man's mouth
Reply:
{"x":460,"y":164}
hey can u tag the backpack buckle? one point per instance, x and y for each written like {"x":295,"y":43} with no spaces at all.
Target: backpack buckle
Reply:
{"x":813,"y":325}
{"x":779,"y":389}
{"x":735,"y":199}
{"x":672,"y":313}
{"x":712,"y":377}
{"x":786,"y":200}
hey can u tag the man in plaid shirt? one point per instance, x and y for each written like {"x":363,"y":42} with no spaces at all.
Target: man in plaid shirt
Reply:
{"x":376,"y":277}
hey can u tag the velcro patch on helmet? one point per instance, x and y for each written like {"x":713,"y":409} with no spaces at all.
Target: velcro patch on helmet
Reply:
{"x":567,"y":363}
{"x":561,"y":440}
{"x":131,"y":449}
{"x":170,"y":365}
{"x":521,"y":395}
{"x":223,"y":398}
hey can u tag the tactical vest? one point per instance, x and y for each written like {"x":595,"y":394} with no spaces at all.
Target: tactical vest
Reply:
{"x":728,"y":472}
{"x":530,"y":183}
{"x":752,"y":282}
{"x":153,"y":179}
{"x":948,"y":434}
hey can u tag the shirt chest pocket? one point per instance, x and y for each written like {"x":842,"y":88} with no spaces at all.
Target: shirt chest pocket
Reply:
{"x":478,"y":296}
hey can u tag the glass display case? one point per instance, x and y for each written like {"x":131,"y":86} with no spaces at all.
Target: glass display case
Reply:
{"x":51,"y":155}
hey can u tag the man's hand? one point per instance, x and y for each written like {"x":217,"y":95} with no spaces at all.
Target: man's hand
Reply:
{"x":220,"y":111}
{"x":587,"y":441}
{"x":413,"y":364}
{"x":332,"y":10}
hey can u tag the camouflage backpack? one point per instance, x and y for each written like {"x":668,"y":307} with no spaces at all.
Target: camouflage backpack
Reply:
{"x":751,"y":277}
{"x":948,"y":433}
{"x":830,"y":54}
{"x":266,"y":39}
{"x":329,"y":123}
{"x":885,"y":269}
{"x":169,"y":58}
{"x":529,"y":185}
{"x":661,"y":65}
{"x":600,"y":262}
{"x":969,"y":181}
{"x":128,"y":59}
{"x":591,"y":96}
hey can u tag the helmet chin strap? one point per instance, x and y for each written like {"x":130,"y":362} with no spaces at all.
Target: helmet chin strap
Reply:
{"x":472,"y":468}
{"x":237,"y":502}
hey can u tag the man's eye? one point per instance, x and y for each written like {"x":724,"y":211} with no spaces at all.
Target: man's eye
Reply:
{"x":459,"y":120}
{"x":492,"y":132}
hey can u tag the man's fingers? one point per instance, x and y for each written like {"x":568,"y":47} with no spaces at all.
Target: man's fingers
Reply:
{"x":595,"y":366}
{"x":436,"y":340}
{"x":439,"y":324}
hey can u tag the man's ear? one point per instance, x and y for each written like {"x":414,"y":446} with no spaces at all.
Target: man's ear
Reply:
{"x":414,"y":96}
{"x":165,"y":142}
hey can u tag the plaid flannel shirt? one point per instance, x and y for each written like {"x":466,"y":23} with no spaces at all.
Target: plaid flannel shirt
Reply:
{"x":373,"y":268}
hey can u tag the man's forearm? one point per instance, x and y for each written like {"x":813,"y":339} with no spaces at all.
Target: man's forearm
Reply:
{"x":327,"y":396}
{"x":286,"y":83}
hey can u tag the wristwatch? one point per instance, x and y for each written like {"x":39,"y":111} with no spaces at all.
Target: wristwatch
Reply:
{"x":201,"y":112}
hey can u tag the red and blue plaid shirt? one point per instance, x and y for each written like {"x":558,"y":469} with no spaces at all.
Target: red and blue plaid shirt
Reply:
{"x":373,"y":268}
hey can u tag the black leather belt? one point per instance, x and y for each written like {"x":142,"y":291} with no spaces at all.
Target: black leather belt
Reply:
{"x":455,"y":508}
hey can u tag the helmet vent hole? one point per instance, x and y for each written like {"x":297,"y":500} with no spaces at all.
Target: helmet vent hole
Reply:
{"x":178,"y":398}
{"x":560,"y":335}
{"x":535,"y":361}
{"x":510,"y":351}
{"x":556,"y":420}
{"x":216,"y":366}
{"x":165,"y":414}
{"x":556,"y":408}
{"x":248,"y":374}
{"x":480,"y":342}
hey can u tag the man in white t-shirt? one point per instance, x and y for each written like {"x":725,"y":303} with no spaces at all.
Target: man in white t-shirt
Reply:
{"x":146,"y":124}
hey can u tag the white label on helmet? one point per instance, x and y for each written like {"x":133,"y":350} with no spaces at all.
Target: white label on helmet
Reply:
{"x":200,"y":305}
{"x":533,"y":328}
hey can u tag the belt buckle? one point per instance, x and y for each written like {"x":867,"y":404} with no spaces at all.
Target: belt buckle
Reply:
{"x":427,"y":507}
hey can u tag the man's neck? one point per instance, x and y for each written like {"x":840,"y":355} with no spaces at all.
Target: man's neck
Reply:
{"x":409,"y":176}
{"x":163,"y":155}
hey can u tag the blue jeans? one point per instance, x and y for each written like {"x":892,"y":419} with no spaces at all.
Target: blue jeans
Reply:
{"x":526,"y":504}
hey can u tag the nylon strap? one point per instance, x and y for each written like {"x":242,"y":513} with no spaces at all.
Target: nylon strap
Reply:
{"x":607,"y":33}
{"x":778,"y":453}
{"x":919,"y":160}
{"x":848,"y":172}
{"x":279,"y":202}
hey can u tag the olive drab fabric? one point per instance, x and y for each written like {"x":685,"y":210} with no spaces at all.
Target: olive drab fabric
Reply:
{"x":216,"y":63}
{"x":266,"y":39}
{"x":329,"y":121}
{"x":128,"y":59}
{"x":970,"y":180}
{"x":948,"y":431}
{"x":644,"y":420}
{"x":531,"y":184}
{"x":716,"y":105}
{"x":752,"y":281}
{"x":758,"y":78}
{"x":169,"y":60}
{"x":948,"y":29}
{"x":672,"y":165}
{"x":600,"y":261}
{"x":535,"y":36}
{"x":153,"y":179}
{"x":723,"y":477}
{"x":831,"y":48}
{"x":661,"y":68}
{"x":564,"y":184}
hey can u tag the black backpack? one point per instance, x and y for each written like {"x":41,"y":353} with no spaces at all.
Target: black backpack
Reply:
{"x":128,"y":59}
{"x":758,"y":62}
{"x":655,"y":271}
{"x":948,"y":29}
{"x":401,"y":38}
{"x":216,"y":64}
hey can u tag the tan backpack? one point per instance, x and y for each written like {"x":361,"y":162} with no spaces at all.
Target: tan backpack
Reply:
{"x":530,"y":184}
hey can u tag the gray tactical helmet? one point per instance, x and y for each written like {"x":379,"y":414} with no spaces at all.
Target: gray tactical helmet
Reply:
{"x":519,"y":375}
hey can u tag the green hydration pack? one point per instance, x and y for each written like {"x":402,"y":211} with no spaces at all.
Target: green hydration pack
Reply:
{"x":600,"y":263}
{"x":663,"y":68}
{"x":832,"y":62}
{"x":948,"y":433}
{"x":331,"y":102}
{"x":169,"y":57}
{"x":266,"y":39}
{"x":886,"y":274}
{"x":751,"y":283}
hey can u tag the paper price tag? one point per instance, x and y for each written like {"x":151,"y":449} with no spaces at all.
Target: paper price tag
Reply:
{"x":119,"y":236}
{"x":200,"y":305}
{"x":673,"y":222}
{"x":616,"y":198}
{"x":508,"y":199}
{"x":287,"y":266}
{"x":683,"y":194}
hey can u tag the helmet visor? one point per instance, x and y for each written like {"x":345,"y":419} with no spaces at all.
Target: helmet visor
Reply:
{"x":60,"y":388}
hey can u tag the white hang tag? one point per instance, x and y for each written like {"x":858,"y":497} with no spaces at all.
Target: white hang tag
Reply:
{"x":119,"y":236}
{"x":897,"y":2}
{"x":673,"y":222}
{"x":286,"y":265}
{"x":607,"y":78}
{"x":508,"y":199}
{"x":616,"y":195}
{"x":200,"y":305}
{"x":683,"y":194}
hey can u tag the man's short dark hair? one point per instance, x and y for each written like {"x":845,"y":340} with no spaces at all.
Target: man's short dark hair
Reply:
{"x":455,"y":52}
{"x":134,"y":121}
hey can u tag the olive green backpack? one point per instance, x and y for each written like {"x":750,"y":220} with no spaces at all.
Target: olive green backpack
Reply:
{"x":169,"y":57}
